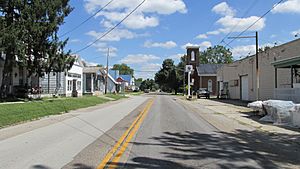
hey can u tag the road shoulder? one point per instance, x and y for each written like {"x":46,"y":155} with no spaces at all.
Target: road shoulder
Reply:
{"x":28,"y":126}
{"x":92,"y":155}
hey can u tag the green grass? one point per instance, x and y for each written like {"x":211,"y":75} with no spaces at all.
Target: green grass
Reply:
{"x":116,"y":96}
{"x":15,"y":113}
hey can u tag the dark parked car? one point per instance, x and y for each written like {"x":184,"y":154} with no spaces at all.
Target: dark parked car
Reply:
{"x":203,"y":93}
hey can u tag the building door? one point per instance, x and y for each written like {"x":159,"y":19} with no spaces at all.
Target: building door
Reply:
{"x":209,"y":85}
{"x":244,"y":88}
{"x":74,"y":85}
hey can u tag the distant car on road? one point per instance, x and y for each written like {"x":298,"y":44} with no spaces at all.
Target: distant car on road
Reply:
{"x":147,"y":90}
{"x":203,"y":93}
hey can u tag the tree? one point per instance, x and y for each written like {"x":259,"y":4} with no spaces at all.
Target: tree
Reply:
{"x":123,"y":69}
{"x":148,"y":84}
{"x":167,"y":76}
{"x":216,"y":55}
{"x":29,"y":37}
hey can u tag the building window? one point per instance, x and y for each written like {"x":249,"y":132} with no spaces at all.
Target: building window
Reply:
{"x":70,"y":85}
{"x":78,"y":85}
{"x":193,"y":56}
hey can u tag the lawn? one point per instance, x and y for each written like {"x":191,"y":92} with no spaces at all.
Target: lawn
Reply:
{"x":20,"y":112}
{"x":116,"y":96}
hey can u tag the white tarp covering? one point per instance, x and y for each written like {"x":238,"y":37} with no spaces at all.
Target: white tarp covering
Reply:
{"x":257,"y":106}
{"x":277,"y":111}
{"x":295,"y":114}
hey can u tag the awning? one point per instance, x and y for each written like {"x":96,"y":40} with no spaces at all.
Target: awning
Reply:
{"x":287,"y":63}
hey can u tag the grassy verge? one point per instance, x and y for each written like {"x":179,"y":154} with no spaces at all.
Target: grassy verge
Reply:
{"x":20,"y":112}
{"x":116,"y":96}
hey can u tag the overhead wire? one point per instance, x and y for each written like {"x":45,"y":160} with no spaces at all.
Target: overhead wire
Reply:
{"x":111,"y":29}
{"x":274,"y":6}
{"x":83,"y":22}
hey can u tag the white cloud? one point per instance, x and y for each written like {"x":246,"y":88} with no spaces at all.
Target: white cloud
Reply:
{"x":138,"y":58}
{"x":213,"y":33}
{"x":223,"y":9}
{"x":230,"y":23}
{"x":103,"y":48}
{"x":115,"y":35}
{"x":289,"y":6}
{"x":201,"y":36}
{"x":296,"y":32}
{"x":202,"y":45}
{"x":239,"y":52}
{"x":235,"y":24}
{"x":145,"y":16}
{"x":148,"y":71}
{"x":176,"y":56}
{"x":89,"y":63}
{"x":74,"y":40}
{"x":135,"y":21}
{"x":167,"y":45}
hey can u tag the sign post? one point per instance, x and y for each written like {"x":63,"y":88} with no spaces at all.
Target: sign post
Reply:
{"x":189,"y":69}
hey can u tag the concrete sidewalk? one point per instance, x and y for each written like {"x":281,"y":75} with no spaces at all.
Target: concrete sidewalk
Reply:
{"x":238,"y":113}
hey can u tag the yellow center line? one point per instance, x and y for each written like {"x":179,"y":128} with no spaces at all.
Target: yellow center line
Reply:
{"x":110,"y":154}
{"x":129,"y":138}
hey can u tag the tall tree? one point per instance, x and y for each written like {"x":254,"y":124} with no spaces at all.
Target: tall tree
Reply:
{"x":30,"y":36}
{"x":216,"y":55}
{"x":148,"y":84}
{"x":124,"y":69}
{"x":167,"y":76}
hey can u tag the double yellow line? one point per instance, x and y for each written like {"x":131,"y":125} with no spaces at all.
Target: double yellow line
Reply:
{"x":114,"y":155}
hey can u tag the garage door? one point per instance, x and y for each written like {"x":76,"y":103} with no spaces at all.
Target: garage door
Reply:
{"x":244,"y":88}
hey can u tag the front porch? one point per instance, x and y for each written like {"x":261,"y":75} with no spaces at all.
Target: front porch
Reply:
{"x":291,"y":90}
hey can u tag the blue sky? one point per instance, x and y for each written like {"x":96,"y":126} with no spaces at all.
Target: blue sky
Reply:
{"x":160,"y":29}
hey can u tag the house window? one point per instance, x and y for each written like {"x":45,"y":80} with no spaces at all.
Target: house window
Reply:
{"x":193,"y":56}
{"x":78,"y":85}
{"x":70,"y":83}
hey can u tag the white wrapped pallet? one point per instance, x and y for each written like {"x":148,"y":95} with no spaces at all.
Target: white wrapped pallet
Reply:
{"x":278,"y":111}
{"x":295,"y":114}
{"x":257,"y":106}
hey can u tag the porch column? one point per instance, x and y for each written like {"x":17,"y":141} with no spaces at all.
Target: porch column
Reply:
{"x":92,"y":82}
{"x":292,"y":79}
{"x":275,"y":78}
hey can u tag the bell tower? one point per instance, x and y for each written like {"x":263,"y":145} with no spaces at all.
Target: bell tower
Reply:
{"x":193,"y":59}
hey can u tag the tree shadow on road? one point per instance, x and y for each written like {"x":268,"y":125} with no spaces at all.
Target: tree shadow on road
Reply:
{"x":243,"y":149}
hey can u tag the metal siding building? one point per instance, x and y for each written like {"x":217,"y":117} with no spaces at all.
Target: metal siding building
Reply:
{"x":232,"y":74}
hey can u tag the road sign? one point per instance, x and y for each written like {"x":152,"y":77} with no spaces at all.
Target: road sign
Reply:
{"x":188,"y":68}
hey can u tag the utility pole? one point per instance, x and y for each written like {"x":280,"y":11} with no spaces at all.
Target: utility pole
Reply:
{"x":256,"y":59}
{"x":106,"y":77}
{"x":184,"y":90}
{"x":257,"y":68}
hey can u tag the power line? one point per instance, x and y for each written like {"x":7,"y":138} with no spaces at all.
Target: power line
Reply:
{"x":245,"y":14}
{"x":255,"y":22}
{"x":76,"y":27}
{"x":111,"y":29}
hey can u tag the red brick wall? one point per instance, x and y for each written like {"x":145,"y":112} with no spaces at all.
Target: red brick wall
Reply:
{"x":204,"y":83}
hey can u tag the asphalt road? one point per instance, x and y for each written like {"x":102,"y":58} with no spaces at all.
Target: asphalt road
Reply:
{"x":165,"y":133}
{"x":53,"y":146}
{"x":172,"y":136}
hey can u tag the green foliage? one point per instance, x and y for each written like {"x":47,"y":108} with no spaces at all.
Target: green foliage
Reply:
{"x":123,"y":69}
{"x":167,"y":76}
{"x":216,"y":55}
{"x":19,"y":112}
{"x":29,"y":38}
{"x":148,"y":84}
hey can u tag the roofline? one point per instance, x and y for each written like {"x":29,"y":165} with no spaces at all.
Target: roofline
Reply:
{"x":192,"y":47}
{"x":272,"y":48}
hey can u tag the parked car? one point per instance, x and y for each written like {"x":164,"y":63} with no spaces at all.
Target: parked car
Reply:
{"x":147,"y":90}
{"x":203,"y":93}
